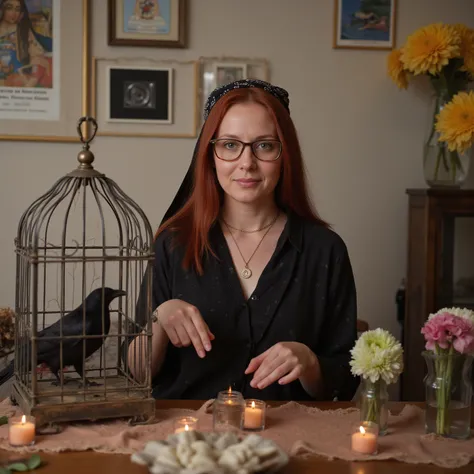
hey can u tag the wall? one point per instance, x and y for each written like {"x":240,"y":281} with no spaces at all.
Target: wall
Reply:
{"x":361,"y":137}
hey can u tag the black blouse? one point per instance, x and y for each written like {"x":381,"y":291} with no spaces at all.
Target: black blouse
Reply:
{"x":306,"y":293}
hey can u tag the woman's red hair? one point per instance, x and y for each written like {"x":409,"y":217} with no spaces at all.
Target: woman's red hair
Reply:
{"x":192,"y":223}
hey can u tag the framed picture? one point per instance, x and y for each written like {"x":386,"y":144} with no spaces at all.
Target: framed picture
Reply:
{"x":229,"y":72}
{"x":217,"y":71}
{"x":44,"y":66}
{"x":139,"y":94}
{"x":364,"y":24}
{"x":141,"y":97}
{"x":155,"y":23}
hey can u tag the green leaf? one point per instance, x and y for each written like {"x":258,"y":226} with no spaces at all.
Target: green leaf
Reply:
{"x":18,"y":466}
{"x":34,"y":462}
{"x":4,"y":470}
{"x":3,"y":421}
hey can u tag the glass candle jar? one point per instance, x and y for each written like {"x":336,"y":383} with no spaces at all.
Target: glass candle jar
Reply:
{"x":21,"y":430}
{"x":365,"y":437}
{"x":254,"y":415}
{"x":185,"y":423}
{"x":228,"y":411}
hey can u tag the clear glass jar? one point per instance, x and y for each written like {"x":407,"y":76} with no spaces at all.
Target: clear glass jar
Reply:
{"x":228,"y":411}
{"x":442,"y":167}
{"x":372,"y":402}
{"x":448,"y":388}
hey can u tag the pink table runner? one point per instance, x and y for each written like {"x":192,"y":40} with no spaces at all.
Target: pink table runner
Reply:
{"x":298,"y":429}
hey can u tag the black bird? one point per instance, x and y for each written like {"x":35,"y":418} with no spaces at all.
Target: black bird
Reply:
{"x":72,"y":325}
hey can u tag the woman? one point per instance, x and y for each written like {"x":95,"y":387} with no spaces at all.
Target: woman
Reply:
{"x":18,"y":40}
{"x":252,"y":288}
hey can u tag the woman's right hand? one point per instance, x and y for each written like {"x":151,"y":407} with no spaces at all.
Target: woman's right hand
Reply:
{"x":184,"y":326}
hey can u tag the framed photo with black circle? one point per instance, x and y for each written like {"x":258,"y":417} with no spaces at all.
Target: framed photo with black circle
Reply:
{"x":153,"y":23}
{"x":139,"y":94}
{"x":144,"y":97}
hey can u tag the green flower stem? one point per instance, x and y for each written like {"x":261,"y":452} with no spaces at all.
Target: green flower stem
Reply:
{"x":372,"y":409}
{"x":444,"y":373}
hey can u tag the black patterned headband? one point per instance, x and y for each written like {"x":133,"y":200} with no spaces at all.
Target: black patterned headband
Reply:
{"x":278,"y":92}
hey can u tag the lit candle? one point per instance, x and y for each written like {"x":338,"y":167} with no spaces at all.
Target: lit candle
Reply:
{"x":186,"y":423}
{"x":21,"y":431}
{"x":254,"y":415}
{"x":365,"y":440}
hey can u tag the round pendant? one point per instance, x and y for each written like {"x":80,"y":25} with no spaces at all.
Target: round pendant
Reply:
{"x":246,"y":273}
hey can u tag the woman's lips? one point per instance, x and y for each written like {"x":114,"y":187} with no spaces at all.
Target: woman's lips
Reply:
{"x":247,"y":183}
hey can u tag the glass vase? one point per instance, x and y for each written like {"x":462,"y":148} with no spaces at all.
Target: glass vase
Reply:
{"x":372,"y":402}
{"x":443,"y":168}
{"x":448,"y":387}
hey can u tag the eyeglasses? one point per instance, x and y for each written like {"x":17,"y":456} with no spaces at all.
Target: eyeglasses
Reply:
{"x":230,"y":149}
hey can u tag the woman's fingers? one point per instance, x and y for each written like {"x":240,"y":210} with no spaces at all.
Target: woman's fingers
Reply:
{"x":195,"y":337}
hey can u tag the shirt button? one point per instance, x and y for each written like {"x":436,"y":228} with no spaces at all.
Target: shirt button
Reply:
{"x":254,"y":297}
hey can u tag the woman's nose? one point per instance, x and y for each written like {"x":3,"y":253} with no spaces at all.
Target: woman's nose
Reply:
{"x":247,"y":159}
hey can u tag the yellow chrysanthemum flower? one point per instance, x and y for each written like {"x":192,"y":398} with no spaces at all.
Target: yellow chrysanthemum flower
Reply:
{"x":467,"y":47}
{"x":455,"y":122}
{"x":396,"y":69}
{"x":430,"y":48}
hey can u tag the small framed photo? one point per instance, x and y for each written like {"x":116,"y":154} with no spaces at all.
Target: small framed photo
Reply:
{"x":144,"y":97}
{"x":139,"y":94}
{"x":218,"y":71}
{"x":362,"y":24}
{"x":229,"y":72}
{"x":154,"y":23}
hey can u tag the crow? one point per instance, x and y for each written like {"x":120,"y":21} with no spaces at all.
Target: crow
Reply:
{"x":48,"y":350}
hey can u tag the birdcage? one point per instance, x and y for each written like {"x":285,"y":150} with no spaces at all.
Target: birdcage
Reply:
{"x":82,"y":253}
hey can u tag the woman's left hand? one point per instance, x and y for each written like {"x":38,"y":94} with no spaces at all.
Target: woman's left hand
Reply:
{"x":285,"y":362}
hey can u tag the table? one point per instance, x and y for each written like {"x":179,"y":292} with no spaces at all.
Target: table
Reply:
{"x":88,"y":461}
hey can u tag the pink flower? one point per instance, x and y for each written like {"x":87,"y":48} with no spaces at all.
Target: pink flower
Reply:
{"x":446,"y":329}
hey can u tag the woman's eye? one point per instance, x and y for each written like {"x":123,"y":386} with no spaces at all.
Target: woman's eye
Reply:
{"x":230,"y":145}
{"x":265,"y":145}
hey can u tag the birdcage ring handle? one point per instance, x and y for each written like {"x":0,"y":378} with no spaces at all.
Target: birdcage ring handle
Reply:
{"x":92,"y":120}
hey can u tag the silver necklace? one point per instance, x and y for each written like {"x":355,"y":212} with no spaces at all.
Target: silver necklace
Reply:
{"x":246,"y":272}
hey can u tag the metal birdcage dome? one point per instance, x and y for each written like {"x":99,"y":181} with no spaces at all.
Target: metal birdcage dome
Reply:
{"x":82,"y":253}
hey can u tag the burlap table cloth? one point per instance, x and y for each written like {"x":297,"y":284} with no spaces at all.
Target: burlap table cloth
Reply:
{"x":299,"y":429}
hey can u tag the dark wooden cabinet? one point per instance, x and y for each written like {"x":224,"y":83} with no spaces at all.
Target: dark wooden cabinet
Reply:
{"x":440,"y":270}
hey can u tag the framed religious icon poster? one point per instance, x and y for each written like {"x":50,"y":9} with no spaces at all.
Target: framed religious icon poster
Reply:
{"x":44,"y":66}
{"x":364,"y":24}
{"x":155,"y":23}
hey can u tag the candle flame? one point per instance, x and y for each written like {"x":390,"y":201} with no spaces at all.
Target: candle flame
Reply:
{"x":362,"y":430}
{"x":23,"y":419}
{"x":253,"y":404}
{"x":230,"y":390}
{"x":186,"y":428}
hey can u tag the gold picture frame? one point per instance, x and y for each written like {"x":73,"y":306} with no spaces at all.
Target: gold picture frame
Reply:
{"x":364,"y":28}
{"x":184,"y":90}
{"x":66,"y":69}
{"x":155,"y":29}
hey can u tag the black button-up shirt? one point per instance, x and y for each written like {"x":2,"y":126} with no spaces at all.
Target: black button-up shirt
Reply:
{"x":306,"y":293}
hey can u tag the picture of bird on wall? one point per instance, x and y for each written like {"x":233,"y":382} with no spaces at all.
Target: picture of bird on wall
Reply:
{"x":364,"y":24}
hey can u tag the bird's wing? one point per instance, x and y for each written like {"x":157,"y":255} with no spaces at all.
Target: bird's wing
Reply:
{"x":71,"y":326}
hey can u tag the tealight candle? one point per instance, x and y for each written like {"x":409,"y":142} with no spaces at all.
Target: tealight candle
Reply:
{"x":254,"y":415}
{"x":186,"y":423}
{"x":21,"y":430}
{"x":365,"y":438}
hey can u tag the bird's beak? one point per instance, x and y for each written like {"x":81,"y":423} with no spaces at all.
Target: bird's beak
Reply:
{"x":119,"y":293}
